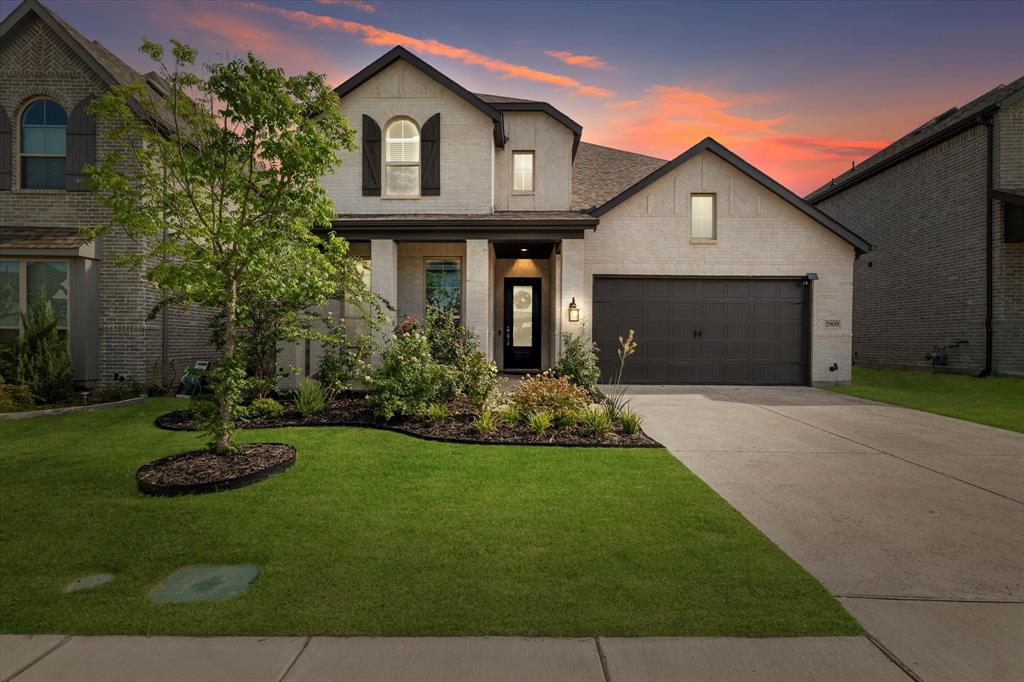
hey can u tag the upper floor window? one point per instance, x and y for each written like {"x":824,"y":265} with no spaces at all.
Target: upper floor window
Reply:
{"x":402,"y":159}
{"x":702,"y":216}
{"x":43,"y":143}
{"x":522,"y":172}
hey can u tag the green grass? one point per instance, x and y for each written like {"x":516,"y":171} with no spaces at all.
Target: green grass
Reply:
{"x":376,"y":533}
{"x":996,"y":401}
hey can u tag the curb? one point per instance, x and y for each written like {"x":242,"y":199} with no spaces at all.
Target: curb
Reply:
{"x":70,"y":410}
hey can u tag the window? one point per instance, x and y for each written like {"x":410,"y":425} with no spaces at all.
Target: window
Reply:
{"x":522,"y":172}
{"x":702,"y":216}
{"x":43,"y":140}
{"x":22,"y":283}
{"x":444,"y":286}
{"x":402,"y":159}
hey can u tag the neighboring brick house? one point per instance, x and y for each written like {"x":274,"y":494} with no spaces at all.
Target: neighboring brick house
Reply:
{"x":943,"y":208}
{"x":48,"y":74}
{"x":494,"y":207}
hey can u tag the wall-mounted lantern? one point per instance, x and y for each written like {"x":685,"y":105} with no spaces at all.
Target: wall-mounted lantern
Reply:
{"x":574,"y":311}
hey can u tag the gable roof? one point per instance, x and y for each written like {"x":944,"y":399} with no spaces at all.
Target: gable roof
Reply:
{"x":399,"y":52}
{"x":502,"y":103}
{"x":710,"y":145}
{"x":108,"y":66}
{"x":600,"y":173}
{"x":938,"y":129}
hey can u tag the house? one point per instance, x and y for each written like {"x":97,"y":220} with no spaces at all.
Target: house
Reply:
{"x":49,"y":72}
{"x":494,"y":207}
{"x":944,"y":208}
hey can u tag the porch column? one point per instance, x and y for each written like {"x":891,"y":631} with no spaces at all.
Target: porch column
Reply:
{"x":573,"y":286}
{"x":478,"y":309}
{"x":384,"y":274}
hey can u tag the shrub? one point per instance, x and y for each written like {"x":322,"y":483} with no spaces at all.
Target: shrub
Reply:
{"x":200,"y":407}
{"x":479,"y":378}
{"x":434,"y":414}
{"x":408,"y":379}
{"x":567,"y":419}
{"x":454,"y":346}
{"x":631,"y":421}
{"x":310,"y":397}
{"x":539,"y":422}
{"x":41,"y":357}
{"x":544,"y":392}
{"x":341,"y":362}
{"x":578,"y":361}
{"x":510,"y":415}
{"x":595,"y":423}
{"x":15,"y":397}
{"x":616,"y":399}
{"x":486,"y":423}
{"x":263,"y":408}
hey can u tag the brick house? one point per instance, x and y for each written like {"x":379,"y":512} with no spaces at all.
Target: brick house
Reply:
{"x":48,"y":74}
{"x":490,"y":206}
{"x":944,"y":210}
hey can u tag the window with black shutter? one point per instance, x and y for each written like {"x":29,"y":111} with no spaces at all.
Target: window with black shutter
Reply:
{"x":430,"y":156}
{"x":371,"y":157}
{"x":81,"y":147}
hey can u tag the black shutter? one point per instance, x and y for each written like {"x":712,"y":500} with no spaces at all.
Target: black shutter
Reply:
{"x":81,"y":148}
{"x":5,"y":150}
{"x":430,"y":157}
{"x":371,"y":157}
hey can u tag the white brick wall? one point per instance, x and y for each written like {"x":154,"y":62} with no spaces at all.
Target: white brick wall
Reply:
{"x":759,"y":234}
{"x":467,"y":145}
{"x":551,"y":143}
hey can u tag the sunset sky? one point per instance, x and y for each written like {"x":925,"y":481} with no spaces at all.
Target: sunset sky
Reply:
{"x":799,"y":89}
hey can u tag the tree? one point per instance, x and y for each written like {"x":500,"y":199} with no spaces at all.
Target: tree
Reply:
{"x":218,"y":182}
{"x":42,"y":360}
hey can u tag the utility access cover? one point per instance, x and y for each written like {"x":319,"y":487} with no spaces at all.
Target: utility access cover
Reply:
{"x":88,"y":582}
{"x":204,"y":583}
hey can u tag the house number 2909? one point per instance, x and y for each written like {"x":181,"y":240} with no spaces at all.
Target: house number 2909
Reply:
{"x":831,"y":324}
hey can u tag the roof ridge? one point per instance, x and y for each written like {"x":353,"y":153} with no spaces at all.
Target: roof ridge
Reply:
{"x":624,"y":151}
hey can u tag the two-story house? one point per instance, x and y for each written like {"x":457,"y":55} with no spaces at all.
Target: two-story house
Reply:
{"x":49,"y":72}
{"x":494,"y":207}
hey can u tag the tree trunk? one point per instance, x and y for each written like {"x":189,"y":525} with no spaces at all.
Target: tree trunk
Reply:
{"x":226,"y":392}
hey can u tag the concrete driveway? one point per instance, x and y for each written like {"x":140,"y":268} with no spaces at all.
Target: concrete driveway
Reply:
{"x":915,"y":521}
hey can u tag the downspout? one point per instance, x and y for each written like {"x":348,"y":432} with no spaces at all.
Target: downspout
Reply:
{"x":989,"y":186}
{"x":164,"y":354}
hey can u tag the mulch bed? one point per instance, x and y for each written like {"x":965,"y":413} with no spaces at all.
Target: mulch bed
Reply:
{"x":204,"y":471}
{"x":353,"y":410}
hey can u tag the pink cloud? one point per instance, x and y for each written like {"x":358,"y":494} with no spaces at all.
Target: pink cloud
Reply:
{"x":373,"y":35}
{"x":355,"y":4}
{"x":585,"y":60}
{"x":670,"y":119}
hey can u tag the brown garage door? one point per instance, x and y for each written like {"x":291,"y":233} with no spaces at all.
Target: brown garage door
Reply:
{"x":704,"y":331}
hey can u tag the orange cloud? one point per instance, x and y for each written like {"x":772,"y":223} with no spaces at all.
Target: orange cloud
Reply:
{"x":373,"y":35}
{"x":669,"y":119}
{"x":355,"y":4}
{"x":584,"y":60}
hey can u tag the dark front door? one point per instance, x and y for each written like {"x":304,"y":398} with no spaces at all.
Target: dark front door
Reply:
{"x":704,"y":331}
{"x":522,"y":323}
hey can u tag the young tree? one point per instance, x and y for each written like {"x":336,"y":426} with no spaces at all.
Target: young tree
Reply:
{"x":218,"y":182}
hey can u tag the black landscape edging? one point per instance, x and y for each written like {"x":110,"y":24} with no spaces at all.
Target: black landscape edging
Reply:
{"x":213,"y":486}
{"x":437,"y":439}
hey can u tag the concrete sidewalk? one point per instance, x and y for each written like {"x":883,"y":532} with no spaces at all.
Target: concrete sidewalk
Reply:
{"x":49,"y":658}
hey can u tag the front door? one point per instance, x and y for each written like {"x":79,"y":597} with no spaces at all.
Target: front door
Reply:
{"x":522,"y":323}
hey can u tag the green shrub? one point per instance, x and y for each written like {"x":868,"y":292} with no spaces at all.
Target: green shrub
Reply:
{"x":454,"y":346}
{"x":479,"y":378}
{"x":486,"y":423}
{"x":595,"y":423}
{"x":631,"y":421}
{"x":539,"y":422}
{"x":41,"y":357}
{"x":544,"y":392}
{"x":510,"y":415}
{"x":310,"y":397}
{"x":577,"y":361}
{"x":15,"y":397}
{"x":408,"y":380}
{"x":200,"y":407}
{"x":434,"y":414}
{"x":567,"y":419}
{"x":263,"y":408}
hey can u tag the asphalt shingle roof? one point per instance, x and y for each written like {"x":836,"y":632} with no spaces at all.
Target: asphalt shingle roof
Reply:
{"x":601,"y":173}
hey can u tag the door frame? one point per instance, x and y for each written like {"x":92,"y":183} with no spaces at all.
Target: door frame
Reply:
{"x":808,"y":302}
{"x":533,"y":361}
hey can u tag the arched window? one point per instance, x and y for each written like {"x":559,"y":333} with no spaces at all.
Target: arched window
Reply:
{"x":43,"y":142}
{"x":402,"y":159}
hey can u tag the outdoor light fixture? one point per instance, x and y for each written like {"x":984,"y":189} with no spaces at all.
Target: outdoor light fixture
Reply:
{"x":523,"y":249}
{"x":811,"y":276}
{"x":574,"y":311}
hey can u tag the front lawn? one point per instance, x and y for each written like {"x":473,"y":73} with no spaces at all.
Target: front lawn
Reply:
{"x":996,"y":401}
{"x":377,"y":533}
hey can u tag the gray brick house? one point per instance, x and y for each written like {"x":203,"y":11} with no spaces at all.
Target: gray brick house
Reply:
{"x":48,"y":74}
{"x":943,"y":208}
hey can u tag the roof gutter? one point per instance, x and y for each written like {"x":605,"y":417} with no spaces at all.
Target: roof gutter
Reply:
{"x":910,"y":151}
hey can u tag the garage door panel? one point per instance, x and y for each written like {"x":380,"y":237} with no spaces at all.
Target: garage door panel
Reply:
{"x":752,"y":331}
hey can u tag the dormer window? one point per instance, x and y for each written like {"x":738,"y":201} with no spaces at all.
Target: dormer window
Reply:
{"x":402,"y":159}
{"x":522,"y":172}
{"x":43,"y":142}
